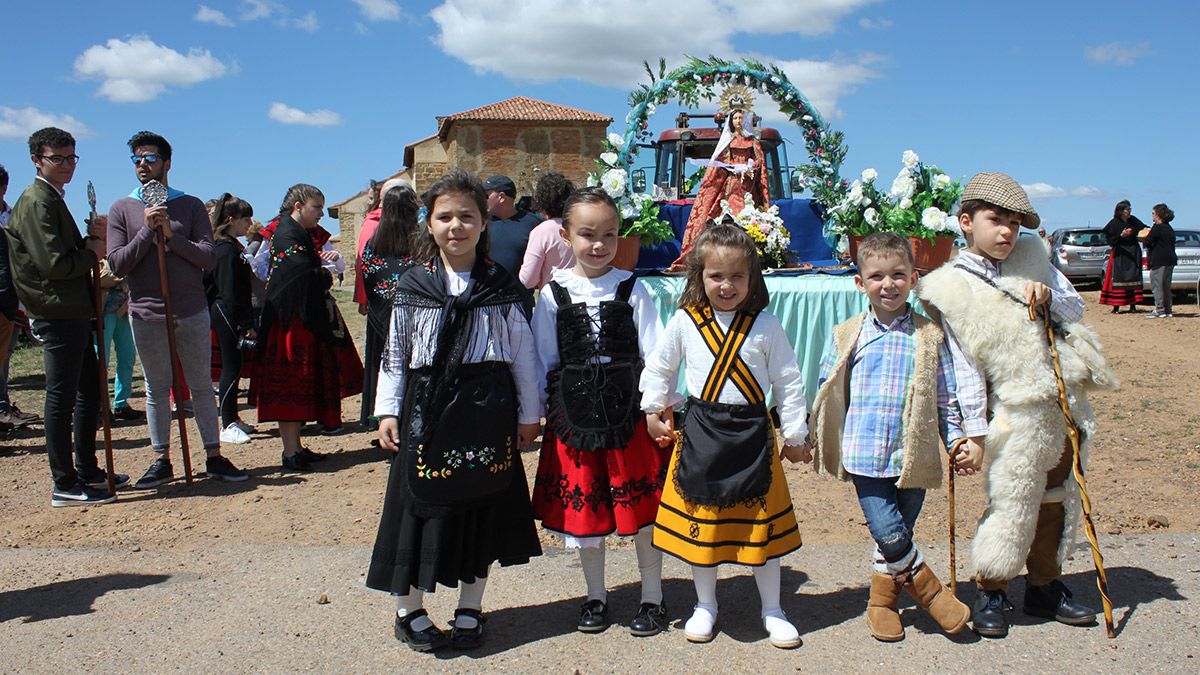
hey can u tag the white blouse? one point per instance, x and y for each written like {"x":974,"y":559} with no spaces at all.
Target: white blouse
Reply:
{"x":511,"y":343}
{"x":766,"y":351}
{"x":591,"y":292}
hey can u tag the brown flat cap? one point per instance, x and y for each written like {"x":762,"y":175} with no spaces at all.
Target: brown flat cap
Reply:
{"x":1001,"y":190}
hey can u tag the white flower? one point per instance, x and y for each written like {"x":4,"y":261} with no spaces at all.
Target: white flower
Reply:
{"x":904,"y":185}
{"x":856,"y":193}
{"x":951,"y":225}
{"x":650,"y":109}
{"x":871,"y":216}
{"x":613,"y":182}
{"x":592,"y":180}
{"x":617,"y":141}
{"x":807,"y":118}
{"x":906,"y":203}
{"x":628,"y":209}
{"x":911,"y":159}
{"x":609,"y":158}
{"x":933,"y":218}
{"x":869,"y":175}
{"x":940,"y":181}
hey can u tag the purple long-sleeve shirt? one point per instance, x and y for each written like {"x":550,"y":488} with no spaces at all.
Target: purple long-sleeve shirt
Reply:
{"x":189,"y":253}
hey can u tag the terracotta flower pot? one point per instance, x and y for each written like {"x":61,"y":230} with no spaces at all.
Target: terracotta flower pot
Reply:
{"x":628,"y":249}
{"x":929,"y":255}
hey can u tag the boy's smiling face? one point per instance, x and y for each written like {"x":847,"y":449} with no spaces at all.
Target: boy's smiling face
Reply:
{"x":991,"y":232}
{"x":886,"y":280}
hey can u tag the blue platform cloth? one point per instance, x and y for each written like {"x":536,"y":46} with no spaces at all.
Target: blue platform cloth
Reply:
{"x":799,"y":215}
{"x":808,"y":307}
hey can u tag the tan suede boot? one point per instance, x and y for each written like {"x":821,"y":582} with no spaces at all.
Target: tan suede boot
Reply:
{"x":929,"y":592}
{"x":882,"y":615}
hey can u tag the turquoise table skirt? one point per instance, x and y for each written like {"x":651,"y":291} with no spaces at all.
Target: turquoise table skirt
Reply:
{"x":807,"y":306}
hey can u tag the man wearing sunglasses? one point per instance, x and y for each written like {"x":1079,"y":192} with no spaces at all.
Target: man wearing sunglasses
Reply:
{"x":133,"y":232}
{"x":51,"y":267}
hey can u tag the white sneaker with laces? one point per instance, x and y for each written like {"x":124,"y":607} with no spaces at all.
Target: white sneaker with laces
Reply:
{"x":234,"y":434}
{"x":248,"y":428}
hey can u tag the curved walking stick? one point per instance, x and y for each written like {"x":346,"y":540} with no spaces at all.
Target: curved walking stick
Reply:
{"x":101,"y":354}
{"x":1077,"y":466}
{"x":950,"y":499}
{"x":155,"y":194}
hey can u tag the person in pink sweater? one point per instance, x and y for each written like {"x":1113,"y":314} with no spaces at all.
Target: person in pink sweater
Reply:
{"x":547,"y":249}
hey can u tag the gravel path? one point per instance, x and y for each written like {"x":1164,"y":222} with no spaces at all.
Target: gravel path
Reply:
{"x":243,"y":608}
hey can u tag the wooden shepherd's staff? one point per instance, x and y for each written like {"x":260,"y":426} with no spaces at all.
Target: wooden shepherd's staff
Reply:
{"x":1077,"y":465}
{"x":101,"y":353}
{"x":154,"y":193}
{"x":950,"y":498}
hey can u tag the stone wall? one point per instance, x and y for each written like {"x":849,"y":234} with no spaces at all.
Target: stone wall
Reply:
{"x":523,"y":152}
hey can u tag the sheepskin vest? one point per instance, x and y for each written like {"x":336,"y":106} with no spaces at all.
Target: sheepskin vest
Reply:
{"x":1026,"y":431}
{"x":921,"y":466}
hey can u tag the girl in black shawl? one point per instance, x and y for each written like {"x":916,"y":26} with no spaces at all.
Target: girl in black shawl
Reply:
{"x":457,"y":400}
{"x":307,"y":360}
{"x":1123,"y":277}
{"x":389,"y":253}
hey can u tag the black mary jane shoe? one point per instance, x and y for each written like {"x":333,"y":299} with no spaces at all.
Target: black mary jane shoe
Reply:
{"x":467,"y":638}
{"x":425,"y":640}
{"x":593,"y":617}
{"x":987,"y":616}
{"x":651,"y":619}
{"x":1053,"y":601}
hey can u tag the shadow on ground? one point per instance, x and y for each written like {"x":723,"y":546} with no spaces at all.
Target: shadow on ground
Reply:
{"x":68,"y":598}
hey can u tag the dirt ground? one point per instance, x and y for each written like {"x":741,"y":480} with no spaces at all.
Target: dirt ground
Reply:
{"x":1144,"y":470}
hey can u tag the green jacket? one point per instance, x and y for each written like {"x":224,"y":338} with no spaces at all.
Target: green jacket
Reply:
{"x":50,"y":264}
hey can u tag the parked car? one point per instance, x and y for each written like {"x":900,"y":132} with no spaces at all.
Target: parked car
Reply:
{"x":1081,"y":254}
{"x":1186,"y":274}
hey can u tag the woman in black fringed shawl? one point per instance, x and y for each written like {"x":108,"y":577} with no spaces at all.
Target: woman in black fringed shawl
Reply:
{"x":307,"y":360}
{"x":1123,"y":277}
{"x":457,"y":400}
{"x":389,"y":253}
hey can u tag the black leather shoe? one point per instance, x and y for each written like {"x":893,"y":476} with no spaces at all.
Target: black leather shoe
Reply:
{"x":651,"y":619}
{"x":467,"y":638}
{"x":1053,"y":601}
{"x":419,"y":640}
{"x":297,"y":462}
{"x":312,"y":455}
{"x":593,"y":617}
{"x":987,"y":616}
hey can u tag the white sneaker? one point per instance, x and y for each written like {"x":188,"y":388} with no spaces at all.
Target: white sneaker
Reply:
{"x":699,"y":628}
{"x":782,"y":633}
{"x":233,"y":434}
{"x":248,"y":428}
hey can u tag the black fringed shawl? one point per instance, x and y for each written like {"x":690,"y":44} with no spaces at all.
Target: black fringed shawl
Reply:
{"x":297,"y":284}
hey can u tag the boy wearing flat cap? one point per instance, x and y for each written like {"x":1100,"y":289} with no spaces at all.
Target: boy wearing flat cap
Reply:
{"x":1008,"y":395}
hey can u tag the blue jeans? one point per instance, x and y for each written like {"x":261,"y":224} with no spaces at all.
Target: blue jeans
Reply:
{"x":891,"y":513}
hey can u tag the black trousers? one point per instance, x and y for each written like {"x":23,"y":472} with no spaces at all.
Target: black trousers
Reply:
{"x":231,"y":369}
{"x":72,"y":398}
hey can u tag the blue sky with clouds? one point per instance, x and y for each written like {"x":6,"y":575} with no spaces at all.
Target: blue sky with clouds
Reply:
{"x":1084,"y":102}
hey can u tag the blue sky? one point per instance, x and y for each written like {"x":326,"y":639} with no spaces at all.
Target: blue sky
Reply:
{"x":1086,"y":102}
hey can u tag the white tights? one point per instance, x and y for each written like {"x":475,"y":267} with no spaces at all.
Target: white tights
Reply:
{"x":470,"y":596}
{"x":591,"y":558}
{"x":766,"y":578}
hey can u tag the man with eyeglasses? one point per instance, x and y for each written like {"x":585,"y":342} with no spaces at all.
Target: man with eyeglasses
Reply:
{"x":184,"y":226}
{"x":52,"y":266}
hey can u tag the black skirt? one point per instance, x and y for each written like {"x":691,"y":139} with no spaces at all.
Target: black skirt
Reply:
{"x":421,"y":542}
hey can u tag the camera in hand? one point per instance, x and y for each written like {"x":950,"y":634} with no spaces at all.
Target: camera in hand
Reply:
{"x":247,"y":343}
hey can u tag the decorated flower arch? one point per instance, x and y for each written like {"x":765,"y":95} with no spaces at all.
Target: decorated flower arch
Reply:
{"x":701,"y":79}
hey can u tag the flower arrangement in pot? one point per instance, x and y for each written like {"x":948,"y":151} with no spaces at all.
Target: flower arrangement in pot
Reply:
{"x":919,"y":205}
{"x":640,"y":224}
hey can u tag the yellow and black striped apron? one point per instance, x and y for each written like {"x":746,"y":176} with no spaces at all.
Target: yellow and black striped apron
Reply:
{"x":750,"y":531}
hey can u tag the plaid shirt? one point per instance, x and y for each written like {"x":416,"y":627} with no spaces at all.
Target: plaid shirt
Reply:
{"x":881,"y":369}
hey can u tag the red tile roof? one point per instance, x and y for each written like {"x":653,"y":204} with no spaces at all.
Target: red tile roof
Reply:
{"x":522,"y":108}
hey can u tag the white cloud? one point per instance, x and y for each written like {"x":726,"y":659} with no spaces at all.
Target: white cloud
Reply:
{"x":19,"y":123}
{"x":379,"y":10}
{"x":1088,"y":191}
{"x":307,"y":23}
{"x":140,"y":70}
{"x":253,"y":10}
{"x":605,"y":43}
{"x":875,"y":24}
{"x":317,"y":118}
{"x":1117,"y":53}
{"x":207,"y":14}
{"x":1043,"y":191}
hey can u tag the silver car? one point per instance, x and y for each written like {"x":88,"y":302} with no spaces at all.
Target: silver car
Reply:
{"x":1186,"y":274}
{"x":1080,"y":254}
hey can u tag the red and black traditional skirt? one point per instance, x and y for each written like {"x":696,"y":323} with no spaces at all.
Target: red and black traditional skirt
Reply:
{"x":1122,"y":282}
{"x":299,"y":378}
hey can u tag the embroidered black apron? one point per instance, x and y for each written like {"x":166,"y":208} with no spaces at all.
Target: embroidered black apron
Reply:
{"x":461,"y":448}
{"x":708,"y":472}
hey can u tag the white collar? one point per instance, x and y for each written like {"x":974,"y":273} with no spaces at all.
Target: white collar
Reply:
{"x":62,"y":192}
